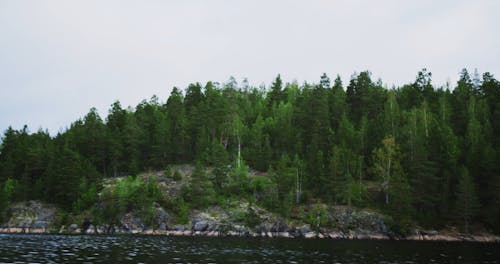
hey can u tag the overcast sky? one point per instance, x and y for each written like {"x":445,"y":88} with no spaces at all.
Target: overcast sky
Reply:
{"x":60,"y":58}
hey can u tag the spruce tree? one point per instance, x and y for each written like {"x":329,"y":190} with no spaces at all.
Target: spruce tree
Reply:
{"x":467,"y":203}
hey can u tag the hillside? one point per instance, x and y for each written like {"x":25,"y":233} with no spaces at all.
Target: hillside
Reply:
{"x":117,"y":211}
{"x":420,"y":154}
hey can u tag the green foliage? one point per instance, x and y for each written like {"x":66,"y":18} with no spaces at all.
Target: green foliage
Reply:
{"x":284,"y":178}
{"x":467,"y":204}
{"x":238,"y":179}
{"x":87,"y":196}
{"x":393,"y":181}
{"x":199,"y":192}
{"x":316,"y":216}
{"x":177,"y":175}
{"x":62,"y":218}
{"x":129,"y":194}
{"x":134,"y":194}
{"x":64,"y":173}
{"x":168,"y":171}
{"x":220,"y":160}
{"x":264,"y":191}
{"x":108,"y":209}
{"x":386,"y":166}
{"x":182,"y":212}
{"x":7,"y":191}
{"x":338,"y":138}
{"x":251,"y":217}
{"x":355,"y":192}
{"x":402,"y":227}
{"x":148,"y":215}
{"x":177,"y":206}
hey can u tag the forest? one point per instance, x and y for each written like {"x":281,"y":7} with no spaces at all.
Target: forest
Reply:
{"x":423,"y":154}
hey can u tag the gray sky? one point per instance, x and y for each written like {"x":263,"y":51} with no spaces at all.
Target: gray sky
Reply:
{"x":60,"y":58}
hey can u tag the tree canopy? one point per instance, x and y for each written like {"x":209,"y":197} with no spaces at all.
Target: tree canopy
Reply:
{"x":429,"y":150}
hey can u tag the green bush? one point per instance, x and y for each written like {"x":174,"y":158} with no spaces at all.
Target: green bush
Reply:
{"x":238,"y":180}
{"x":177,"y":176}
{"x":108,"y":209}
{"x":129,"y":194}
{"x":148,"y":215}
{"x":87,"y":196}
{"x":134,"y":193}
{"x":7,"y":192}
{"x":200,"y":192}
{"x":399,"y":226}
{"x":316,"y":217}
{"x":168,"y":171}
{"x":264,"y":192}
{"x":62,"y":218}
{"x":182,"y":212}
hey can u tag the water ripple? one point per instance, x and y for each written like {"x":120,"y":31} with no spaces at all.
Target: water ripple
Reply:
{"x":162,"y":249}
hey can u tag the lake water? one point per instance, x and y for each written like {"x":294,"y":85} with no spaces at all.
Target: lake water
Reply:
{"x":162,"y":249}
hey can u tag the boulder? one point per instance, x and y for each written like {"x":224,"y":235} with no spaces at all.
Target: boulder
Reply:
{"x":429,"y":232}
{"x":283,"y":234}
{"x":179,"y":228}
{"x":263,"y":228}
{"x":200,"y":225}
{"x":303,"y":230}
{"x":310,"y":235}
{"x":162,"y":226}
{"x":73,"y":228}
{"x":162,"y":217}
{"x":336,"y":235}
{"x":91,"y":229}
{"x":241,"y":230}
{"x":40,"y":224}
{"x":279,"y":226}
{"x":131,"y":223}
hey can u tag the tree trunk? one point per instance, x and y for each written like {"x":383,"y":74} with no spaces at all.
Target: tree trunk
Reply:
{"x":388,"y":180}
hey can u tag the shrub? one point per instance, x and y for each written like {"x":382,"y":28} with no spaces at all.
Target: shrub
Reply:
{"x":201,"y":192}
{"x":264,"y":192}
{"x":87,"y":196}
{"x":130,"y":194}
{"x":177,"y":176}
{"x":133,"y":193}
{"x":168,"y":171}
{"x":316,"y":217}
{"x":62,"y":218}
{"x":238,"y":179}
{"x":182,"y":212}
{"x":6,"y":193}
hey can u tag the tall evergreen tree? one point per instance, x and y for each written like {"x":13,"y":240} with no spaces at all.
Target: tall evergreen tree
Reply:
{"x":467,"y":202}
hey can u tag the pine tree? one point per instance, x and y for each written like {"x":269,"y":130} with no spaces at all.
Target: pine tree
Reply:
{"x":467,"y":204}
{"x":220,"y":161}
{"x":201,"y":193}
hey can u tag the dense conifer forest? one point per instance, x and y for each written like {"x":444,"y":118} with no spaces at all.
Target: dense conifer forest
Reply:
{"x":423,"y":154}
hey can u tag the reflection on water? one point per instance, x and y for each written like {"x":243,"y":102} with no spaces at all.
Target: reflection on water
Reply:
{"x":161,"y":249}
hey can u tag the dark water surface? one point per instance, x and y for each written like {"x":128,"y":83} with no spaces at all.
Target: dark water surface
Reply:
{"x":162,"y":249}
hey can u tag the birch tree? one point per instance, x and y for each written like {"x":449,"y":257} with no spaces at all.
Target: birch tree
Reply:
{"x":384,"y":161}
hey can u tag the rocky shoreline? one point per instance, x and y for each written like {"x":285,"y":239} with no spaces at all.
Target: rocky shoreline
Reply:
{"x":334,"y":235}
{"x":34,"y":217}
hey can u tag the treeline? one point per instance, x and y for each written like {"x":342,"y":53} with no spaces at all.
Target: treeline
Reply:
{"x":418,"y":152}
